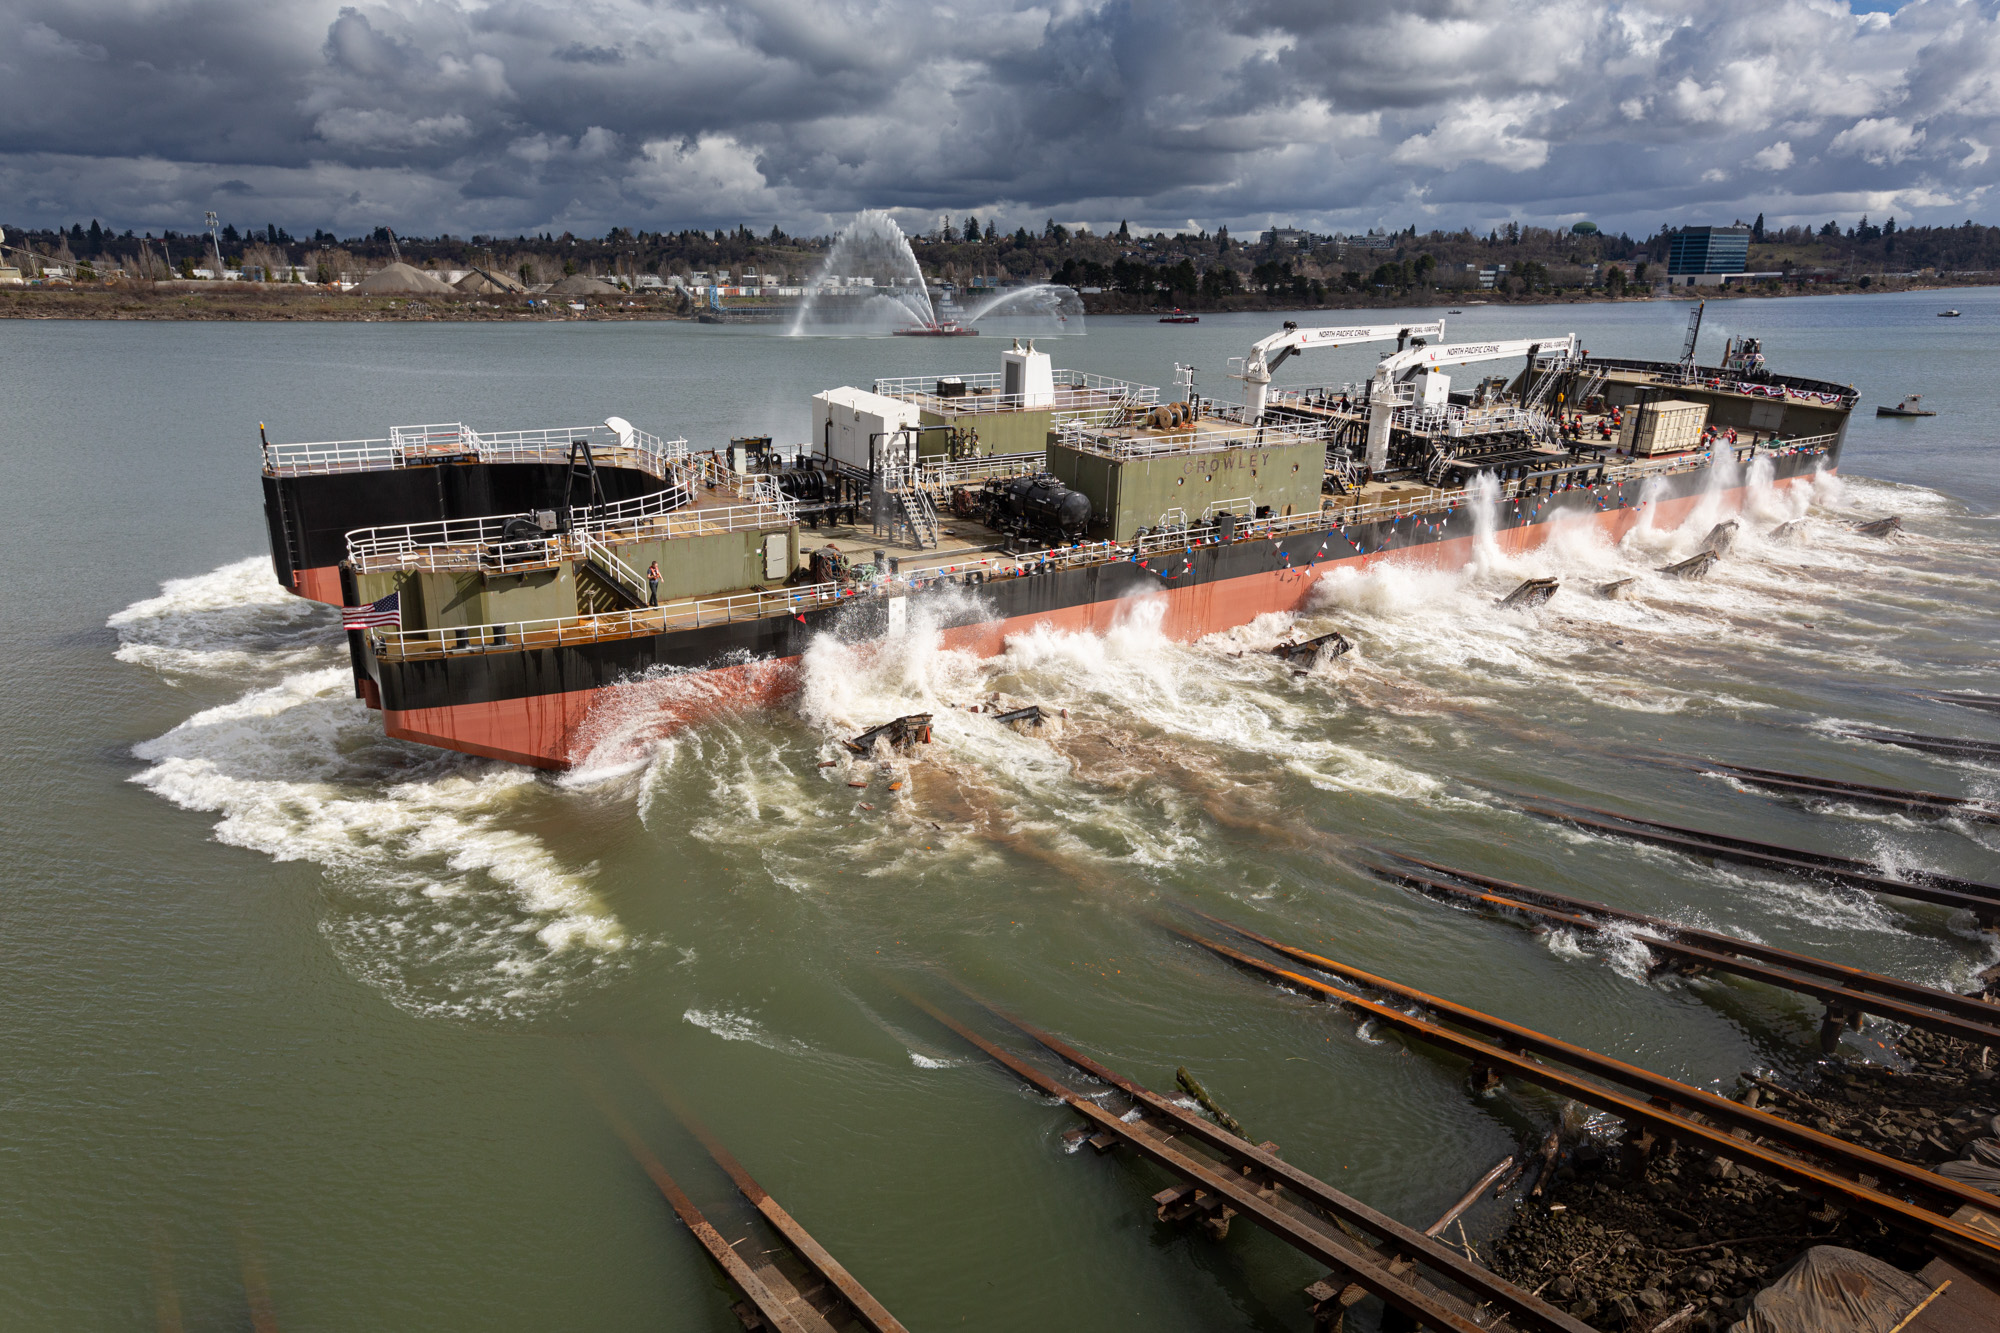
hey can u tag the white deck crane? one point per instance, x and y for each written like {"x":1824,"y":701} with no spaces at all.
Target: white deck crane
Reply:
{"x":1399,"y":366}
{"x":1268,"y":355}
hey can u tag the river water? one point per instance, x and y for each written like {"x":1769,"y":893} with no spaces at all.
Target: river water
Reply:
{"x":312,"y":1028}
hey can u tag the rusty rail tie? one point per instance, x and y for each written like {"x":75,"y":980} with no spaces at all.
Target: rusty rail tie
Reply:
{"x":1375,"y":1269}
{"x":1657,"y":1114}
{"x":1848,"y":992}
{"x":1928,"y":886}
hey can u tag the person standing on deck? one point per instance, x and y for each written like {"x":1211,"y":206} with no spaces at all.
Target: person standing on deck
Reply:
{"x":653,"y":584}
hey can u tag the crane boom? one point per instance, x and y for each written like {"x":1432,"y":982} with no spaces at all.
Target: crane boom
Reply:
{"x":1398,"y":365}
{"x":1269,"y":353}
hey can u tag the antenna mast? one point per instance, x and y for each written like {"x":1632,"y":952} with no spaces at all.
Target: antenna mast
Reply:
{"x":1694,"y":332}
{"x":215,"y":238}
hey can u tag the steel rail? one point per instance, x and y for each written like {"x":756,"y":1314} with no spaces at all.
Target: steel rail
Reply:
{"x":1343,"y":1208}
{"x":769,"y":1304}
{"x":1963,"y":698}
{"x":1353,"y":1260}
{"x":1804,"y":784}
{"x":1916,"y":740}
{"x":1657,"y":1114}
{"x":1982,"y":900}
{"x":872,"y":1314}
{"x":1841,"y":988}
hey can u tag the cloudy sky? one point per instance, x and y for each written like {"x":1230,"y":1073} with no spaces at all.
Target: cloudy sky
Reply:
{"x":514,"y":115}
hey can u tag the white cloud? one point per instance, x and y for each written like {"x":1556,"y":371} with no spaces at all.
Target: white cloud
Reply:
{"x":351,"y":127}
{"x":1477,"y":131}
{"x":1881,"y":141}
{"x":494,"y":115}
{"x":1775,"y":158}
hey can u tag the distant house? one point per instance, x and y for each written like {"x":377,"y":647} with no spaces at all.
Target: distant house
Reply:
{"x":1290,"y":236}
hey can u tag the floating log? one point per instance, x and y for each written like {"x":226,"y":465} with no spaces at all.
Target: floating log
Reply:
{"x":1193,"y":1088}
{"x":1720,"y":537}
{"x":1880,"y":527}
{"x":1533,"y":593}
{"x":901,"y":734}
{"x":1695,"y":566}
{"x":1785,"y":532}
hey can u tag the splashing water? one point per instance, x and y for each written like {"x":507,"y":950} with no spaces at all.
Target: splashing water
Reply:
{"x":871,"y":248}
{"x":1045,"y":308}
{"x":434,"y":895}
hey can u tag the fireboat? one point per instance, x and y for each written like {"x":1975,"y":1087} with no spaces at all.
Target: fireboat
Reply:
{"x":945,"y":329}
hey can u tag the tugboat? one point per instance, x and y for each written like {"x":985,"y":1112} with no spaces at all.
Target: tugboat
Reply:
{"x":1178,"y":317}
{"x":945,"y":329}
{"x":1907,"y":408}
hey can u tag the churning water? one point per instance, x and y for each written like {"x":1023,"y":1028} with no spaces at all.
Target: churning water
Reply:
{"x":306,"y":1016}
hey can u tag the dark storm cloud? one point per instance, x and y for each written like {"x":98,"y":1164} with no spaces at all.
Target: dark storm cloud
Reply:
{"x":445,"y":114}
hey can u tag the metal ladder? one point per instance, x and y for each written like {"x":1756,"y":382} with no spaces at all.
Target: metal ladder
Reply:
{"x":1440,"y":461}
{"x":920,"y":515}
{"x":1340,"y":468}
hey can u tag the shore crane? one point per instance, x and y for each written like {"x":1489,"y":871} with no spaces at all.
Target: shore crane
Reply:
{"x":1272,"y":352}
{"x":1399,"y":366}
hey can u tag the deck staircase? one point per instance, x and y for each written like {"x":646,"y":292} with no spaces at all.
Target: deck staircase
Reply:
{"x":916,"y":512}
{"x":604,"y":583}
{"x":1340,"y":470}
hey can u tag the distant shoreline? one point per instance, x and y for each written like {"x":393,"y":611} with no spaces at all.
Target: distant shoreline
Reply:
{"x":254,"y":303}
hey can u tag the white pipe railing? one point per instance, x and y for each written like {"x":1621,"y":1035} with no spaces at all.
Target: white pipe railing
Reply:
{"x":410,"y":446}
{"x":1075,"y":435}
{"x":513,"y":636}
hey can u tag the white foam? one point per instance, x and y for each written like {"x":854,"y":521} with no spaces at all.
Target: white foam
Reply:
{"x":435,"y":895}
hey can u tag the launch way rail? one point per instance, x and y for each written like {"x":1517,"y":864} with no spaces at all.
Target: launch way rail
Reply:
{"x":1926,"y":886}
{"x":1224,"y":1176}
{"x":799,"y":1289}
{"x":1952,"y":746}
{"x":1989,"y":703}
{"x":1937,"y":1210}
{"x":1833,"y":789}
{"x":1847,"y":992}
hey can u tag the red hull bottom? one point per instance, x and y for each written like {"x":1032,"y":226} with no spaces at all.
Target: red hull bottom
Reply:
{"x":319,"y":584}
{"x":559,"y":730}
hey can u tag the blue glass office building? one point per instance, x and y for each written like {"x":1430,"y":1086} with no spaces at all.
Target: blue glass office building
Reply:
{"x":1703,"y":250}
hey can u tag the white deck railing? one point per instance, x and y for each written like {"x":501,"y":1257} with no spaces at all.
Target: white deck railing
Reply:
{"x":412,"y":446}
{"x":1213,"y":439}
{"x":517,"y":635}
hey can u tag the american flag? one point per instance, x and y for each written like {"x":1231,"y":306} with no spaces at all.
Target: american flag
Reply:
{"x":388,"y":611}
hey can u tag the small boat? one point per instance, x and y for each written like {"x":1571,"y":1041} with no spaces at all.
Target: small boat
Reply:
{"x":947,"y":329}
{"x":1907,"y":408}
{"x":1179,"y":318}
{"x":1947,"y":314}
{"x":1454,"y":312}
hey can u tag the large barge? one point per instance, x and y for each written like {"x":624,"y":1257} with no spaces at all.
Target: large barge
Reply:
{"x":511,"y":618}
